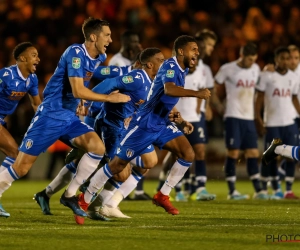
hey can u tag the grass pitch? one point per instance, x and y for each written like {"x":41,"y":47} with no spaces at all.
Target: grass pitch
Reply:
{"x":218,"y":224}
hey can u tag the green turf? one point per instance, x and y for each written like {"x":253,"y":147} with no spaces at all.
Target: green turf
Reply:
{"x":219,"y":224}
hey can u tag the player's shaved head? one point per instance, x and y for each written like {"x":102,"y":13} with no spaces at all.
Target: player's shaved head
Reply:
{"x":92,"y":26}
{"x":146,"y":54}
{"x":20,"y":48}
{"x":182,"y":41}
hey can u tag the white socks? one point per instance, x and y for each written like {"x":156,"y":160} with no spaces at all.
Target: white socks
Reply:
{"x":63,"y":178}
{"x":8,"y":161}
{"x":86,"y":166}
{"x":97,"y":182}
{"x":7,"y":177}
{"x":291,"y":152}
{"x":176,"y":173}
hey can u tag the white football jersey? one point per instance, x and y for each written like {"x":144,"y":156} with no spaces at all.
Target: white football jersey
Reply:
{"x":297,"y":72}
{"x":278,"y":89}
{"x":240,"y":88}
{"x":187,"y":106}
{"x":209,"y":84}
{"x":119,"y":60}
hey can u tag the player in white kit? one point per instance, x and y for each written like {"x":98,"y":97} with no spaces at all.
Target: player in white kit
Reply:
{"x":130,"y":48}
{"x":277,"y":93}
{"x":238,"y":79}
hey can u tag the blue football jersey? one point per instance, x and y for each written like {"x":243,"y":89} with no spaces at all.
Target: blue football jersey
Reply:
{"x":13,"y":86}
{"x":135,"y":84}
{"x":59,"y":102}
{"x":104,"y":72}
{"x":154,"y":113}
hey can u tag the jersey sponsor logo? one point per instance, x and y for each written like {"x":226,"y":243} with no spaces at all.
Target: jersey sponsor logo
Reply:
{"x":28,"y":143}
{"x":115,"y":69}
{"x":88,"y":76}
{"x":170,"y":73}
{"x":137,"y":77}
{"x":6,"y":73}
{"x":245,"y":84}
{"x":172,"y":65}
{"x":77,"y":51}
{"x":139,"y":102}
{"x":127,"y":79}
{"x":76,"y":62}
{"x":129,"y":153}
{"x":105,"y":71}
{"x":281,"y":92}
{"x":16,"y":95}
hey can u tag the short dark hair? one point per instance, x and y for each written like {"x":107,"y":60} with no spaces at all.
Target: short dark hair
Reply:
{"x":147,"y":53}
{"x":92,"y":25}
{"x":280,"y":50}
{"x":20,"y":48}
{"x":127,"y":34}
{"x":204,"y":34}
{"x":182,"y":41}
{"x":250,"y":49}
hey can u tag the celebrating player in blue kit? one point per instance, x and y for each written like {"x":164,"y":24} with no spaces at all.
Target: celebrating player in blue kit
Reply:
{"x":15,"y":82}
{"x":56,"y":118}
{"x":153,"y":126}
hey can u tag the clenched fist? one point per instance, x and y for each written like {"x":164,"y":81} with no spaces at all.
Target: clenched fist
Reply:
{"x":203,"y":94}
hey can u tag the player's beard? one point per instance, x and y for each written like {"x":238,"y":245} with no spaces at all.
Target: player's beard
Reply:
{"x":186,"y":62}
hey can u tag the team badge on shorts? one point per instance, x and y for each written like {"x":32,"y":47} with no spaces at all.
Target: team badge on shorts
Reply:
{"x":105,"y":71}
{"x":76,"y":62}
{"x":28,"y":143}
{"x":127,"y":79}
{"x":170,"y":73}
{"x":129,"y":153}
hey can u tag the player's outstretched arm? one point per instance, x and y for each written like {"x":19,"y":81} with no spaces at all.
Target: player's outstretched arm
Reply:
{"x":172,"y":90}
{"x":80,"y":91}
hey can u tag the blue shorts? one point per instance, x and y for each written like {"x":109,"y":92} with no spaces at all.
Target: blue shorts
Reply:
{"x":112,"y":136}
{"x":288,"y":134}
{"x":89,"y":120}
{"x":136,"y":140}
{"x":2,"y":122}
{"x":44,"y":131}
{"x":199,"y":135}
{"x":240,"y":134}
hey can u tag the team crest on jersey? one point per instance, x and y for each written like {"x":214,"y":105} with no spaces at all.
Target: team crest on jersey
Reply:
{"x":129,"y":153}
{"x":76,"y":62}
{"x":28,"y":143}
{"x":127,"y":79}
{"x":105,"y":71}
{"x":170,"y":73}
